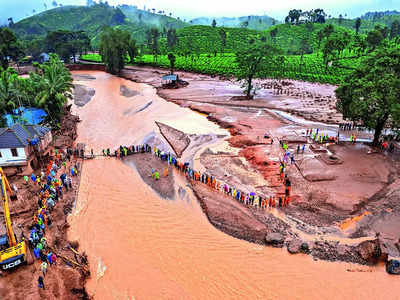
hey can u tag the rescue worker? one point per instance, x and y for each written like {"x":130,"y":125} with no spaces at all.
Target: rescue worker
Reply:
{"x":43,"y":267}
{"x":41,"y":283}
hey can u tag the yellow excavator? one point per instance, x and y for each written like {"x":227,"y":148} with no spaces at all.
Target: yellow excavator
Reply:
{"x":12,"y":253}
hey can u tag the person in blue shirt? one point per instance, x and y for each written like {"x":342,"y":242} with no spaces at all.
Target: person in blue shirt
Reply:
{"x":36,"y":253}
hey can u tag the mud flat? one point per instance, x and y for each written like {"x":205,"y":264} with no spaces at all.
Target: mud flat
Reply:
{"x":178,"y":140}
{"x":144,"y":163}
{"x":82,"y":94}
{"x":127,"y":92}
{"x":312,"y":101}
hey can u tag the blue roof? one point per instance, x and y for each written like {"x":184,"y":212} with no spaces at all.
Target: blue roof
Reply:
{"x":29,"y":115}
{"x":169,"y":77}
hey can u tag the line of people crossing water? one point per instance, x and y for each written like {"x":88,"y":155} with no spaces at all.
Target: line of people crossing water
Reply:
{"x":247,"y":198}
{"x":320,"y":137}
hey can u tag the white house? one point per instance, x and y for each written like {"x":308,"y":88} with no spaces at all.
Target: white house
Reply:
{"x":19,"y":142}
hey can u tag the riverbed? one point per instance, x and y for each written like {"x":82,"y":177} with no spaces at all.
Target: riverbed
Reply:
{"x":141,"y":246}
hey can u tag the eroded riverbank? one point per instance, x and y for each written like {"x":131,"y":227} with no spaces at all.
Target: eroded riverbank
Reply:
{"x":142,"y":246}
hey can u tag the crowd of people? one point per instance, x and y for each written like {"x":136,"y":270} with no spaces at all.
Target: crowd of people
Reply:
{"x":320,"y":137}
{"x":126,"y":150}
{"x":51,"y":188}
{"x":247,"y":198}
{"x":350,"y":127}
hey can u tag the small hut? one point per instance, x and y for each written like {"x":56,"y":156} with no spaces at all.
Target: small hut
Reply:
{"x":170,"y":79}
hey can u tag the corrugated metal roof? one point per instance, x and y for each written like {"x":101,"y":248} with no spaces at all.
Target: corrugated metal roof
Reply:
{"x":21,"y":132}
{"x":41,"y":129}
{"x":31,"y":130}
{"x":8,"y":139}
{"x":17,"y":135}
{"x":169,"y":77}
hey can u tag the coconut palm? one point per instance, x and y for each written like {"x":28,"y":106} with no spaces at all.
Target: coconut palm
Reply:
{"x":53,"y":84}
{"x":8,"y":90}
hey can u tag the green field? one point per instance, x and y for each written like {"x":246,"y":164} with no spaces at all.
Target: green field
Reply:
{"x":312,"y":69}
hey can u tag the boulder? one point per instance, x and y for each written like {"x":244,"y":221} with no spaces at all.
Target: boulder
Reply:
{"x":369,"y":251}
{"x":294,"y":246}
{"x":274,"y":239}
{"x":393,"y":266}
{"x":314,"y":170}
{"x":305,"y":248}
{"x":389,"y":248}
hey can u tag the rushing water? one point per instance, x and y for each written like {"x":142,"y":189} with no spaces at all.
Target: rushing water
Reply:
{"x":143,"y":247}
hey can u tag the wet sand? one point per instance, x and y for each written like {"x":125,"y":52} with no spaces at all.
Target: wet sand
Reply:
{"x":140,"y":245}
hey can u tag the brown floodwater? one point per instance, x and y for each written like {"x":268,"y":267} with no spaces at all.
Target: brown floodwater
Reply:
{"x":141,"y":246}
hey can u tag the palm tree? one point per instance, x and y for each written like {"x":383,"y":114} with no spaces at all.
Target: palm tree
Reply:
{"x":53,"y":83}
{"x":12,"y":92}
{"x":8,"y":90}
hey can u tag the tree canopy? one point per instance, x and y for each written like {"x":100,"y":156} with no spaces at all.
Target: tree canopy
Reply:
{"x":67,"y":43}
{"x":252,"y":60}
{"x":10,"y":47}
{"x":371,"y":94}
{"x":153,"y":35}
{"x":114,"y":46}
{"x":297,"y":16}
{"x":48,"y":87}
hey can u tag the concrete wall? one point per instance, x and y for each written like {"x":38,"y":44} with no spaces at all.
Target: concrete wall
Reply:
{"x":7,"y":159}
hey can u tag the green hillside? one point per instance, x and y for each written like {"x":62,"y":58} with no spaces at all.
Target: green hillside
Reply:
{"x":90,"y":19}
{"x":289,"y":37}
{"x":367,"y":24}
{"x":206,"y":39}
{"x":199,"y":50}
{"x":250,"y":22}
{"x":146,"y":18}
{"x":93,"y":19}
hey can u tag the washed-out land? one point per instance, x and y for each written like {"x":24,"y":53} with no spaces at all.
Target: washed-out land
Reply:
{"x":143,"y":237}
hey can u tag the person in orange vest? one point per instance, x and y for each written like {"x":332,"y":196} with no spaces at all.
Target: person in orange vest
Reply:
{"x":165,"y":174}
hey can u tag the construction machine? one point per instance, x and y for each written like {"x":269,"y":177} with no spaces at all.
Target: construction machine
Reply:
{"x":12,"y":252}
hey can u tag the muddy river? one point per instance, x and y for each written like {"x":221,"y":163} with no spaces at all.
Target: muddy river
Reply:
{"x":141,"y":246}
